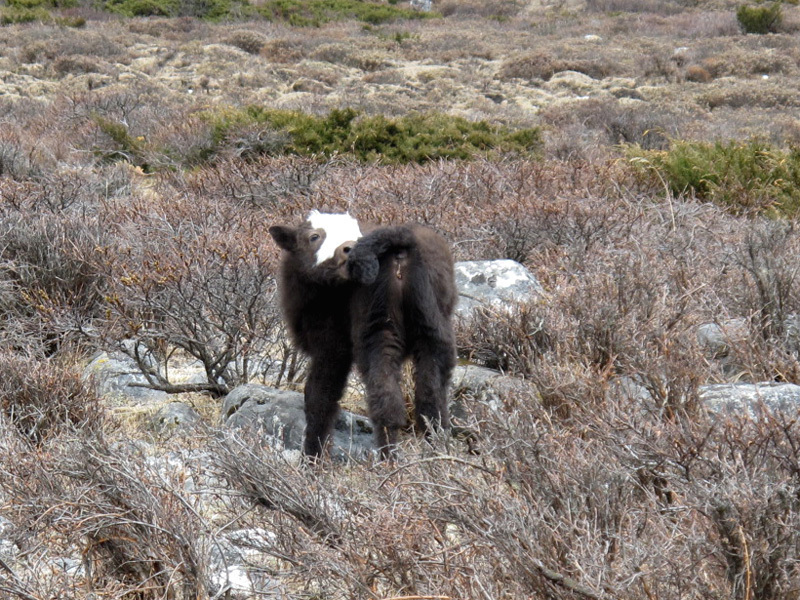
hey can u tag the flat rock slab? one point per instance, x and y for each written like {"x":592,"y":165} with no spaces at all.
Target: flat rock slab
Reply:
{"x":751,"y":398}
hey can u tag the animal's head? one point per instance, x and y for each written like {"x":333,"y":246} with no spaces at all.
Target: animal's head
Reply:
{"x":319,"y":247}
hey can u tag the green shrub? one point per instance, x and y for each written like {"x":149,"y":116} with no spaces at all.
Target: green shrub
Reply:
{"x":212,"y":10}
{"x":759,"y":19}
{"x":144,"y":8}
{"x":410,"y":139}
{"x":124,"y":146}
{"x":13,"y":14}
{"x":305,"y":13}
{"x":745,"y":177}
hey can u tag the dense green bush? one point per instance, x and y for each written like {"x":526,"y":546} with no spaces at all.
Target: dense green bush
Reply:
{"x":144,"y":8}
{"x":304,"y":13}
{"x":759,"y":19}
{"x":745,"y":177}
{"x":415,"y":138}
{"x":15,"y":14}
{"x":201,"y":9}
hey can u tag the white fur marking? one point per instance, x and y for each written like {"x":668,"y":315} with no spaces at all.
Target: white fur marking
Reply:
{"x":339,"y":228}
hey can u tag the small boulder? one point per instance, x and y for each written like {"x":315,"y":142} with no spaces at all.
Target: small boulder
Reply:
{"x":471,"y":383}
{"x":716,"y":338}
{"x":175,"y":416}
{"x":281,"y":414}
{"x":493,"y":284}
{"x":118,"y":378}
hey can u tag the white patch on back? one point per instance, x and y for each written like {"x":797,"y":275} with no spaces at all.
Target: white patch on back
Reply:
{"x":339,"y":228}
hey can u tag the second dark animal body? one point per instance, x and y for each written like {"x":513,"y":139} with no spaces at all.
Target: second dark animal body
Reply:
{"x":376,"y":301}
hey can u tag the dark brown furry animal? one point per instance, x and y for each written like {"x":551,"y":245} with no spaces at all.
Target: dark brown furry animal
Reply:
{"x":377,"y":301}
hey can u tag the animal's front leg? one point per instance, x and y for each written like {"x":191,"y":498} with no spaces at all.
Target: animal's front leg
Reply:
{"x":324,"y":387}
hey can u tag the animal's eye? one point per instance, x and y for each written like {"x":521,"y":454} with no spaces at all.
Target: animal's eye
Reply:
{"x":313,"y":237}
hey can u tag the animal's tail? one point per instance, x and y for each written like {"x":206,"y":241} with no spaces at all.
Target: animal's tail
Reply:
{"x":363,"y":262}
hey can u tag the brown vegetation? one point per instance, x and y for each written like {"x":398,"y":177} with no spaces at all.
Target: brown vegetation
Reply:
{"x":135,"y":197}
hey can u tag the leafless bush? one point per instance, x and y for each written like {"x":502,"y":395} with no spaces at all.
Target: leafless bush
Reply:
{"x":43,"y":400}
{"x":47,"y":260}
{"x":136,"y":531}
{"x":193,"y":277}
{"x":661,"y":7}
{"x":768,"y":259}
{"x":262,"y":183}
{"x":510,"y":340}
{"x":614,"y":505}
{"x":543,"y":65}
{"x":65,"y":65}
{"x":19,"y":159}
{"x":502,"y":9}
{"x":617,"y":123}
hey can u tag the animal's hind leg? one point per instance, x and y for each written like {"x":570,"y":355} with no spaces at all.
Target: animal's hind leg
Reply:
{"x":434,"y":360}
{"x":324,"y":387}
{"x":381,"y":365}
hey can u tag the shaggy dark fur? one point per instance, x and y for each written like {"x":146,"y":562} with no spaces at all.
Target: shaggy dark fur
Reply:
{"x":387,"y":298}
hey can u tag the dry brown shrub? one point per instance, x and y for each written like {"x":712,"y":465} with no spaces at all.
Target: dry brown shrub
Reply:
{"x":743,"y":95}
{"x":498,"y":9}
{"x":171,"y":29}
{"x":252,"y":42}
{"x":708,"y":24}
{"x":190,"y":275}
{"x":616,"y":122}
{"x":661,"y":7}
{"x":697,"y":74}
{"x":543,"y":65}
{"x":283,"y":51}
{"x":136,"y":531}
{"x":580,"y":510}
{"x":75,"y":64}
{"x":43,"y":400}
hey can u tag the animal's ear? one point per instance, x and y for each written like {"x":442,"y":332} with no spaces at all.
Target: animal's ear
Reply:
{"x":285,"y":237}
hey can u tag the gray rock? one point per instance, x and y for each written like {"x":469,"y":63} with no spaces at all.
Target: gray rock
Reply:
{"x":751,"y":398}
{"x":8,"y":549}
{"x":232,"y":558}
{"x":280,"y":414}
{"x":237,"y":581}
{"x":716,"y":338}
{"x":493,"y":284}
{"x":117,"y":377}
{"x":471,"y":383}
{"x":792,"y":333}
{"x":175,"y":416}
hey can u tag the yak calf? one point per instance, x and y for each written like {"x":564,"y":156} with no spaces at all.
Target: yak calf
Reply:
{"x":376,"y":300}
